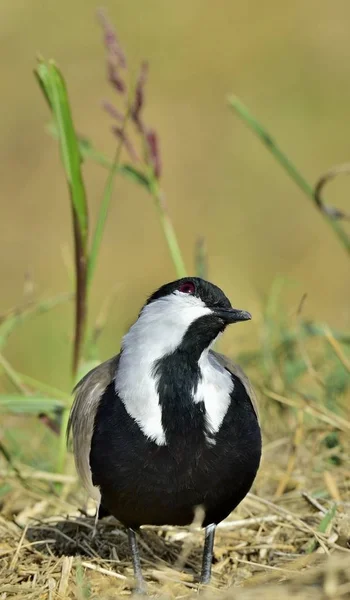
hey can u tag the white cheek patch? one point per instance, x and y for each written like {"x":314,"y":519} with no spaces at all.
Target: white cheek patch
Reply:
{"x":214,"y":390}
{"x":158,"y":331}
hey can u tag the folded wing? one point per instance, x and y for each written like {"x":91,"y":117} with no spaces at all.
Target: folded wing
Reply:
{"x":236,"y":370}
{"x":88,"y":394}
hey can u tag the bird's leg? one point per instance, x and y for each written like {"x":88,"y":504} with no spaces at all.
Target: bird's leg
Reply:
{"x":140,"y":582}
{"x":208,"y":553}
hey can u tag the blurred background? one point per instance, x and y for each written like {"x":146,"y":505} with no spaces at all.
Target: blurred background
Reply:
{"x":268,"y":247}
{"x":289,"y":62}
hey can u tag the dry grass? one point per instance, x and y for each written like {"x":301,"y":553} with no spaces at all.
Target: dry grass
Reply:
{"x":290,"y":538}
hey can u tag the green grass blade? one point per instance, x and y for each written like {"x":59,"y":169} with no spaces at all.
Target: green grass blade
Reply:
{"x":13,"y":376}
{"x":323,"y":526}
{"x":87,"y":151}
{"x":149,"y":183}
{"x":82,"y":584}
{"x":102,"y":218}
{"x":287,"y":165}
{"x":8,"y":458}
{"x":21,"y":314}
{"x":317,"y":329}
{"x":201,"y":259}
{"x":42,"y":387}
{"x":42,"y":76}
{"x":104,"y":206}
{"x":134,"y":175}
{"x":54,"y":88}
{"x":53,"y":84}
{"x":15,"y":403}
{"x":168,"y":229}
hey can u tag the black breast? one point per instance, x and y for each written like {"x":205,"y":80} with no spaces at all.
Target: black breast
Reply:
{"x":143,"y":483}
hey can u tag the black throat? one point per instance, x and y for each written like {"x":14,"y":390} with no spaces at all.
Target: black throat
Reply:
{"x":178,"y":375}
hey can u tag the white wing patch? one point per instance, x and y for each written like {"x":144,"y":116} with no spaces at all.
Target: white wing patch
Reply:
{"x":214,"y":389}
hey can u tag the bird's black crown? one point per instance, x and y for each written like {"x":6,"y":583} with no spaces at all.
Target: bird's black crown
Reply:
{"x":209,"y":293}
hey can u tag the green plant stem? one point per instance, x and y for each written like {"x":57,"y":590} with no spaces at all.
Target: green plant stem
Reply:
{"x":104,"y":207}
{"x":201,"y":258}
{"x":43,"y":387}
{"x":322,"y":528}
{"x":13,"y":376}
{"x":149,"y":182}
{"x":54,"y":88}
{"x":19,"y":315}
{"x":168,"y":229}
{"x":287,"y":165}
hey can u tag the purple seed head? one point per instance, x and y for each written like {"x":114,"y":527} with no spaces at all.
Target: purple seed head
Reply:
{"x":111,"y":40}
{"x":139,"y":96}
{"x":112,"y":111}
{"x":114,"y":76}
{"x":153,"y":146}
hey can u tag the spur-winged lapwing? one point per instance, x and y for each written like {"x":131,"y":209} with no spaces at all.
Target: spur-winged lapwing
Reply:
{"x":168,"y":424}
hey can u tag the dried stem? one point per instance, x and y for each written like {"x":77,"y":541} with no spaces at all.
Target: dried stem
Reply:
{"x":80,"y":294}
{"x":331,"y":211}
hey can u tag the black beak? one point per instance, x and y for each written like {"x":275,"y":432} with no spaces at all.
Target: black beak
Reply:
{"x":232,"y":315}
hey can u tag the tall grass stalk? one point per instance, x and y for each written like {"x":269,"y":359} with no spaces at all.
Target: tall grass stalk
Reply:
{"x":104,"y":206}
{"x":255,"y":125}
{"x":168,"y":229}
{"x":54,"y":88}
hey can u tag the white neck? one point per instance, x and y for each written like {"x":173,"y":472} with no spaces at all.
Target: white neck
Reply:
{"x":159,"y":331}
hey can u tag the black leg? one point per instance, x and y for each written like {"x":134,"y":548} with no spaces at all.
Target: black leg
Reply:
{"x":208,"y":553}
{"x":140,"y":582}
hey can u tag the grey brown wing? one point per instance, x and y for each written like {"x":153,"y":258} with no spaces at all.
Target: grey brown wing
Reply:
{"x":88,"y":394}
{"x":238,"y":371}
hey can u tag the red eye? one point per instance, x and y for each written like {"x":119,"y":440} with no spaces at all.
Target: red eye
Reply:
{"x":187,"y":288}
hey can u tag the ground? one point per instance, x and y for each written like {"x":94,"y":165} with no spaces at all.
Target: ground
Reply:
{"x":289,"y":538}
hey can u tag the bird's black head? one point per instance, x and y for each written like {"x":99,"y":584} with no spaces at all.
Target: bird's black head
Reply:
{"x":188,"y":313}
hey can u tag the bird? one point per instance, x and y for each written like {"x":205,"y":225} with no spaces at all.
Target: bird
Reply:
{"x":168,"y":424}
